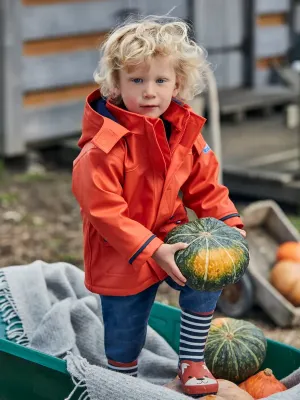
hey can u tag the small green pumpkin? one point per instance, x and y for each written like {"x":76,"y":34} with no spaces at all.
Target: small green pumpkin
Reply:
{"x":217,"y":255}
{"x":235,"y":349}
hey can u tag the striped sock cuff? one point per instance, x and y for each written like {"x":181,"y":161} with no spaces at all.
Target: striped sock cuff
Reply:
{"x":193,"y":334}
{"x":200,"y":314}
{"x":125,"y":368}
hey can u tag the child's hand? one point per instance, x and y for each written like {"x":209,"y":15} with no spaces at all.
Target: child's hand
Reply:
{"x":164,"y":256}
{"x":242,"y":232}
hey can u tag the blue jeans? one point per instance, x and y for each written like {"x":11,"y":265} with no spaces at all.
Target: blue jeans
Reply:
{"x":126,"y":317}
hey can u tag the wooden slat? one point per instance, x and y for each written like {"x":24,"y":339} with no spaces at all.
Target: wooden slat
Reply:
{"x":271,"y":6}
{"x":63,"y":44}
{"x":58,"y":70}
{"x":13,"y":143}
{"x":229,"y":68}
{"x":271,"y":19}
{"x":69,"y":19}
{"x":264,"y":63}
{"x":52,"y":122}
{"x":43,"y":2}
{"x":271,"y":41}
{"x":61,"y":95}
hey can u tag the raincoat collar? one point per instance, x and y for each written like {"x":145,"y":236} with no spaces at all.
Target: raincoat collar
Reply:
{"x":105,"y":123}
{"x":177,"y":114}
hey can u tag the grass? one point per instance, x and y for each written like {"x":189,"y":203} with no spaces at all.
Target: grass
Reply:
{"x":70,"y":258}
{"x":8,"y":199}
{"x":33,"y":177}
{"x":295,"y":219}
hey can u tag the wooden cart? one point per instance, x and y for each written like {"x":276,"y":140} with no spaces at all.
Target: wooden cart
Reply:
{"x":267,"y":227}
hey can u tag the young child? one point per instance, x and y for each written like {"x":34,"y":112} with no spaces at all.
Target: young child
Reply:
{"x":142,"y":145}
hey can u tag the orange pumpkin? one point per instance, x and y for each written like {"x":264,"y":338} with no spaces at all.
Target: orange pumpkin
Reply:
{"x":289,"y":251}
{"x":285,"y":277}
{"x":262,"y":384}
{"x":230,"y":391}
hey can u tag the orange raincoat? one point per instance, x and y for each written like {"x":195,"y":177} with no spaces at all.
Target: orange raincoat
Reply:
{"x":127,"y":180}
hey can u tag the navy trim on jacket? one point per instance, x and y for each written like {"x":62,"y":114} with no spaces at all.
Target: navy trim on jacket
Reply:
{"x":141,"y":249}
{"x":99,"y":106}
{"x":229,"y":216}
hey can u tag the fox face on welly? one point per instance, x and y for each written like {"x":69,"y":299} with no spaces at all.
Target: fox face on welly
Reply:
{"x":200,"y":381}
{"x":193,"y":381}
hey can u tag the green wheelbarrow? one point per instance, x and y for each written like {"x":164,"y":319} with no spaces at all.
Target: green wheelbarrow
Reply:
{"x":30,"y":375}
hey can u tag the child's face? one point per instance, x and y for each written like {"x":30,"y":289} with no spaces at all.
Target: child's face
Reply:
{"x":148,"y":88}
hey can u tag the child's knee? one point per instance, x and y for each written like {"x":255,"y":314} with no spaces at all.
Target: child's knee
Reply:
{"x":198,"y":301}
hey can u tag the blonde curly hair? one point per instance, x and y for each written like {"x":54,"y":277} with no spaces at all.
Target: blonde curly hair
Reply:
{"x":138,"y":41}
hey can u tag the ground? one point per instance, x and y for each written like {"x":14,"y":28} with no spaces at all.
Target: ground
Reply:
{"x":39,"y":219}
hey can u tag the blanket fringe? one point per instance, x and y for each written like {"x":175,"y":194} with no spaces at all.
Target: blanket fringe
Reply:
{"x":79,"y":384}
{"x":81,"y":369}
{"x":8,"y":310}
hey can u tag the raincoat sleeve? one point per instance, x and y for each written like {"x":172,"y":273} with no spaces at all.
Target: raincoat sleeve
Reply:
{"x":97,"y":186}
{"x":202,"y":192}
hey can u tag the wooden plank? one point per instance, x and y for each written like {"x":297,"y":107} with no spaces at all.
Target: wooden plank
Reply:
{"x":263,"y":63}
{"x":261,"y":78}
{"x":63,"y":44}
{"x":271,"y":6}
{"x":228,"y":69}
{"x":227,"y":14}
{"x":273,"y":158}
{"x":50,"y":71}
{"x":158,"y":7}
{"x":43,"y":2}
{"x":296,"y":18}
{"x":54,"y":122}
{"x":271,"y":40}
{"x":271,"y":19}
{"x":56,"y":20}
{"x":267,"y":227}
{"x":236,"y":100}
{"x":55,"y":96}
{"x":11,"y":86}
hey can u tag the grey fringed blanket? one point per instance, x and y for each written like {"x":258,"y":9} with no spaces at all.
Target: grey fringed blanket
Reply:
{"x":46,"y":307}
{"x":59,"y":316}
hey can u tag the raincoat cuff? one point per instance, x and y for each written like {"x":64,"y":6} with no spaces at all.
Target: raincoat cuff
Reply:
{"x":146,"y":251}
{"x":235,"y":222}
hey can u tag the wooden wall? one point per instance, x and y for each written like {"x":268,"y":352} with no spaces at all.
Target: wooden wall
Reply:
{"x":220,"y":28}
{"x":271,"y":36}
{"x":50,"y":51}
{"x":59,"y":55}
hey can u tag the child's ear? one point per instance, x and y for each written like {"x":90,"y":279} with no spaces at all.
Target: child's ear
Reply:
{"x":115,"y":92}
{"x":176,"y":89}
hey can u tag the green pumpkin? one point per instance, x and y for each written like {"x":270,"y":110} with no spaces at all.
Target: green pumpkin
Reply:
{"x":235,"y":349}
{"x":217,"y":255}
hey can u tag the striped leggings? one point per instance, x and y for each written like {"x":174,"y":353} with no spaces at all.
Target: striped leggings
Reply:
{"x":125,"y":322}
